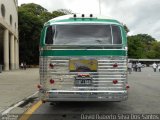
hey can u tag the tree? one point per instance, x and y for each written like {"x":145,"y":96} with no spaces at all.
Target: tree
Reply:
{"x":65,"y":11}
{"x":135,"y":48}
{"x":29,"y":28}
{"x":141,"y":46}
{"x":33,"y":8}
{"x":31,"y":19}
{"x":154,"y":51}
{"x":125,"y":28}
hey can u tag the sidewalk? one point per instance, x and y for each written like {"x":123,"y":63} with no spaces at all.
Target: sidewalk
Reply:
{"x":17,"y":85}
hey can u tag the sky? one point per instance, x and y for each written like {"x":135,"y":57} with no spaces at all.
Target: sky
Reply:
{"x":140,"y":16}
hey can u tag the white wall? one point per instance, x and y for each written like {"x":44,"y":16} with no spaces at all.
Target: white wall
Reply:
{"x":10,"y":9}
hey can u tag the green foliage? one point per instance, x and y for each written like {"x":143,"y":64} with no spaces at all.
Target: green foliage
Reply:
{"x":31,"y":18}
{"x":64,"y":11}
{"x":56,"y":13}
{"x":143,"y":46}
{"x":154,"y":51}
{"x":33,"y":8}
{"x":125,"y":28}
{"x":135,"y":48}
{"x":45,"y":16}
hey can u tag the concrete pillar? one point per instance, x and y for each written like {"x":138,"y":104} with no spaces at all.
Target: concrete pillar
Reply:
{"x":6,"y":49}
{"x":12,"y":52}
{"x":16,"y":54}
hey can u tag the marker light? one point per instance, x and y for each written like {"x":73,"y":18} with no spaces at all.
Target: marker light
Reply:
{"x":115,"y":65}
{"x":51,"y":81}
{"x":51,"y":65}
{"x":39,"y":86}
{"x":115,"y":81}
{"x":127,"y":86}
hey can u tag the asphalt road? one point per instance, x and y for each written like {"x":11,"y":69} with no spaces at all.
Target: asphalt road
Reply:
{"x":144,"y":98}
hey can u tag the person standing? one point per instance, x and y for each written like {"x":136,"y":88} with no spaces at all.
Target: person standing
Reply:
{"x":159,"y":67}
{"x":139,"y":65}
{"x":154,"y":66}
{"x":21,"y":65}
{"x":129,"y":67}
{"x":25,"y":65}
{"x":134,"y":67}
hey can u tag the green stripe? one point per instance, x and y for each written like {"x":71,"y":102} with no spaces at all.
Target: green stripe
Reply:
{"x":83,"y":53}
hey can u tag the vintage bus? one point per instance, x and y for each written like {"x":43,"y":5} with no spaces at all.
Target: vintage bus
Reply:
{"x":83,"y":58}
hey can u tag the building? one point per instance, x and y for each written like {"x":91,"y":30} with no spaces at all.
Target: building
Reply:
{"x":147,"y":62}
{"x":9,"y":44}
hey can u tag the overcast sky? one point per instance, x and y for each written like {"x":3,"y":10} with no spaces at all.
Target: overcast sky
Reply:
{"x":140,"y":16}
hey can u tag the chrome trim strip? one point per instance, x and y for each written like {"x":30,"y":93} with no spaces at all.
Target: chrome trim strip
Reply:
{"x":84,"y":22}
{"x":82,"y":91}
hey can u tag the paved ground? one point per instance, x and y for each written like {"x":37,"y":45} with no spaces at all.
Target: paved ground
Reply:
{"x":144,"y":97}
{"x":17,"y":85}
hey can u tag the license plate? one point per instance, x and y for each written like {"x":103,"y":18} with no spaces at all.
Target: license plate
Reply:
{"x":83,"y":81}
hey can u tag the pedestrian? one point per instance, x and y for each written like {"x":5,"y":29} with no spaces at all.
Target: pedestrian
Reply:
{"x":154,"y":65}
{"x":136,"y":66}
{"x":21,"y":65}
{"x":139,"y":65}
{"x":25,"y":65}
{"x":129,"y":67}
{"x":159,"y":67}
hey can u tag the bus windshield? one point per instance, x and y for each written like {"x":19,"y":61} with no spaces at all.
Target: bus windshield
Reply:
{"x":83,"y":34}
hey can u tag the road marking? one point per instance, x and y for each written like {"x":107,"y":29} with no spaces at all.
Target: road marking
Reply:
{"x":19,"y":103}
{"x":30,"y":111}
{"x":9,"y":109}
{"x":32,"y":95}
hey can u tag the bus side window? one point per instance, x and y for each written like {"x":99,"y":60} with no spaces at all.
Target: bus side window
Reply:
{"x":117,"y":38}
{"x":49,"y":35}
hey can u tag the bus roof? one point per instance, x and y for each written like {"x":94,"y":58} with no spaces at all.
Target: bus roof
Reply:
{"x":77,"y":18}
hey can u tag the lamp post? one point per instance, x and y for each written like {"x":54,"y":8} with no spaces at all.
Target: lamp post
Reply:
{"x":99,"y":6}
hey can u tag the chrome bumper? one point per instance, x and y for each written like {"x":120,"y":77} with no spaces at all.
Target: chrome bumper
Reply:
{"x":59,"y":95}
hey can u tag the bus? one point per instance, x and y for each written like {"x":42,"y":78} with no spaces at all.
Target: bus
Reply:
{"x":83,"y":58}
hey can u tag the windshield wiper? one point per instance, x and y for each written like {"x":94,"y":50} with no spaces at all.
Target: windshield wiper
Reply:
{"x":99,"y":41}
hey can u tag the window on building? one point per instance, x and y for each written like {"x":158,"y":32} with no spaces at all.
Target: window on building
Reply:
{"x":3,"y":10}
{"x":11,"y":19}
{"x":15,"y":25}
